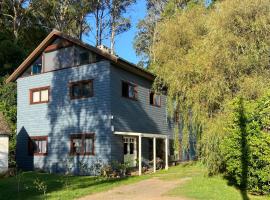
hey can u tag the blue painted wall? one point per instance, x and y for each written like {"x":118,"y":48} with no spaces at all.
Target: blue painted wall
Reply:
{"x":62,"y":117}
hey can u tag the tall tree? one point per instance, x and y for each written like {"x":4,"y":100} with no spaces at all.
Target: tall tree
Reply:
{"x":118,"y":22}
{"x":206,"y":57}
{"x":13,"y":12}
{"x":100,"y":13}
{"x":146,"y":28}
{"x":68,"y":16}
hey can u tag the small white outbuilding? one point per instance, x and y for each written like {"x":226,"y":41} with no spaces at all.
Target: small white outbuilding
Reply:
{"x":4,"y":140}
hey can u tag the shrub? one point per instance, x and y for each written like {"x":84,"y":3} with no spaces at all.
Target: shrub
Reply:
{"x":246,"y":147}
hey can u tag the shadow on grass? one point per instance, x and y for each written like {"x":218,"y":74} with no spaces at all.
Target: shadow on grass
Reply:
{"x":242,"y":124}
{"x":55,"y":183}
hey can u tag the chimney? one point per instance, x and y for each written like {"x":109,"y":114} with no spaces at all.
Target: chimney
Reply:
{"x":105,"y":49}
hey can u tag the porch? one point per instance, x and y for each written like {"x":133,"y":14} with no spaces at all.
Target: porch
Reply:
{"x":154,"y":138}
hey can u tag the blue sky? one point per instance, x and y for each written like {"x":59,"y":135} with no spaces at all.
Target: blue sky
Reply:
{"x":124,"y":42}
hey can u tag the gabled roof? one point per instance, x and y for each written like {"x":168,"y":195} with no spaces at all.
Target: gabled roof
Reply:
{"x":4,"y":127}
{"x":56,"y":34}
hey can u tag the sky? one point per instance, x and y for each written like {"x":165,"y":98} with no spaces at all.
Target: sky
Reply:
{"x":124,"y":42}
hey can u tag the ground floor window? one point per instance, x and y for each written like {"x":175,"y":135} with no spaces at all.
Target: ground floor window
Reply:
{"x":38,"y":145}
{"x":82,"y":144}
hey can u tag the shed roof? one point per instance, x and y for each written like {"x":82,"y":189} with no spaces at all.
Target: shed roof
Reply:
{"x":4,"y":127}
{"x":120,"y":62}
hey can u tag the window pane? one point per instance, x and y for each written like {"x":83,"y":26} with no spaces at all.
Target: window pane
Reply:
{"x":76,"y":91}
{"x":88,"y":145}
{"x":131,"y":148}
{"x":131,"y":92}
{"x":151,"y":97}
{"x":87,"y":89}
{"x":44,"y":146}
{"x":44,"y":95}
{"x":125,"y":148}
{"x":36,"y":68}
{"x":124,"y":89}
{"x":84,"y":58}
{"x":77,"y":144}
{"x":36,"y":96}
{"x":157,"y":100}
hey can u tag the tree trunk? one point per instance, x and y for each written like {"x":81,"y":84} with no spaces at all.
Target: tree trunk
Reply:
{"x":112,"y":38}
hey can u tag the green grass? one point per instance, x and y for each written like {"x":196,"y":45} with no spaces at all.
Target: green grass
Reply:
{"x":59,"y":187}
{"x":202,"y":187}
{"x":197,"y":186}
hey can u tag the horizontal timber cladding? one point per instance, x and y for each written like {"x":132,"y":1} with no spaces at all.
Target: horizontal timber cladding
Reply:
{"x":61,"y":117}
{"x":139,"y":115}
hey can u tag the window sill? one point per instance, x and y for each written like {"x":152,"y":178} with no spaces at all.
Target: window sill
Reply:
{"x":40,"y":154}
{"x":158,"y":106}
{"x":134,"y":99}
{"x":41,"y":102}
{"x":82,"y":154}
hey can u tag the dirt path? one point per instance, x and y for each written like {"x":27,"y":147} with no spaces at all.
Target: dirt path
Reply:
{"x":150,"y":189}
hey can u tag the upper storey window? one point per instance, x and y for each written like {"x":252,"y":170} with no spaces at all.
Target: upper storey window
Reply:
{"x":129,"y":90}
{"x":83,"y":56}
{"x":81,"y":89}
{"x":40,"y":95}
{"x":35,"y":68}
{"x":154,"y":99}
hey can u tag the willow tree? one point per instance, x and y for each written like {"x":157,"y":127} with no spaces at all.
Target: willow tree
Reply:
{"x":207,"y":56}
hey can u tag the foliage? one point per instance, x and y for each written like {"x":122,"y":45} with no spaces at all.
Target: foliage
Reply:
{"x":246,"y":146}
{"x":207,"y":56}
{"x":192,"y":174}
{"x":41,"y":186}
{"x":8,"y":101}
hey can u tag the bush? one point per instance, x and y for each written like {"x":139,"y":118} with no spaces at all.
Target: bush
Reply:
{"x":246,"y":147}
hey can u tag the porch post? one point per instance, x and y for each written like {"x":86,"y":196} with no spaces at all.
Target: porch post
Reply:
{"x":166,"y":153}
{"x":154,"y":154}
{"x":140,"y":155}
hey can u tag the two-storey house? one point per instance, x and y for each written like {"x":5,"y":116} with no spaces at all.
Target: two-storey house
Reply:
{"x":80,"y":103}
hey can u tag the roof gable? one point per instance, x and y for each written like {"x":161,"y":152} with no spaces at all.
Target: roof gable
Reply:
{"x":56,"y":34}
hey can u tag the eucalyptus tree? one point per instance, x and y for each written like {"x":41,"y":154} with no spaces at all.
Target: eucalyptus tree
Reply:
{"x":118,"y":22}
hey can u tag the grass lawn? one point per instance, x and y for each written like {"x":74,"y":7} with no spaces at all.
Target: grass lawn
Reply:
{"x":197,"y":186}
{"x":58,"y":187}
{"x":202,"y":187}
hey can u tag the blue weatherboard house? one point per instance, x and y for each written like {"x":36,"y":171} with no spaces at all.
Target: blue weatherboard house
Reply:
{"x":79,"y":104}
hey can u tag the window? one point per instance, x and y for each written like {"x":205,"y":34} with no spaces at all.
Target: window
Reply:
{"x":40,"y":95}
{"x":82,"y":144}
{"x":37,"y":66}
{"x":129,"y":90}
{"x":154,"y":99}
{"x":83,"y":58}
{"x":38,"y":145}
{"x":81,"y":89}
{"x":129,"y":145}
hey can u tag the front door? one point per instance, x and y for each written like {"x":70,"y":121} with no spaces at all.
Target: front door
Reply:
{"x":130,"y":151}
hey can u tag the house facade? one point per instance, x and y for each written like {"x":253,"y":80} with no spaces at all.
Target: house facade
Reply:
{"x":79,"y":105}
{"x":4,"y":143}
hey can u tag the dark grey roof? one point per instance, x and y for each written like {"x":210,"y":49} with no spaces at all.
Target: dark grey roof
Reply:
{"x":4,"y":127}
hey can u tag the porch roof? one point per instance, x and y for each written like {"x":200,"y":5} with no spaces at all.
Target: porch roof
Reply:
{"x":148,"y":135}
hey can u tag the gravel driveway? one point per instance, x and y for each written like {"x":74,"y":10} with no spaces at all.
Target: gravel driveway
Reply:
{"x":150,"y":189}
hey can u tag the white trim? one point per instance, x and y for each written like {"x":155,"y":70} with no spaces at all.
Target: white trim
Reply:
{"x":140,"y":155}
{"x":166,"y":154}
{"x":154,"y":154}
{"x":148,"y":135}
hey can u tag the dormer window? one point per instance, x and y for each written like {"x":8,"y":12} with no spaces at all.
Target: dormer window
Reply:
{"x":83,"y":58}
{"x":36,"y":66}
